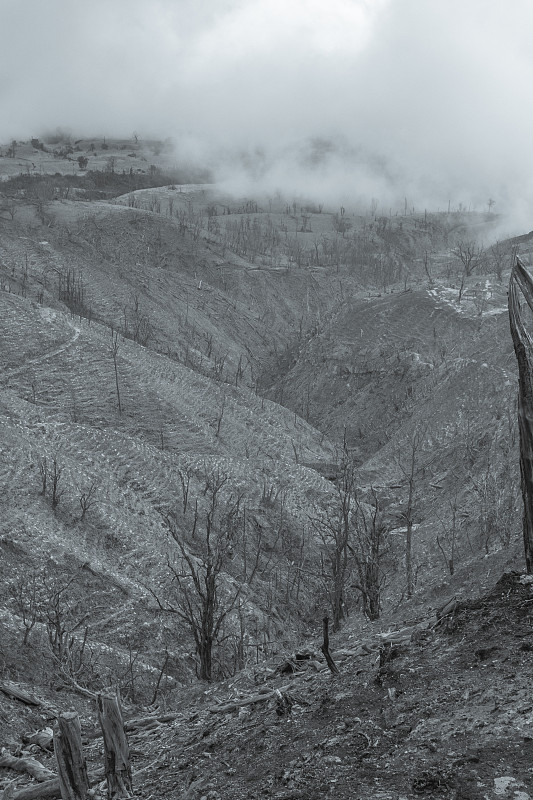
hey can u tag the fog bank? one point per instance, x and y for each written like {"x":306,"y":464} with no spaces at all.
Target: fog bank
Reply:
{"x":390,"y":99}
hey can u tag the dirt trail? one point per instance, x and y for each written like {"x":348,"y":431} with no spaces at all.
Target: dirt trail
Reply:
{"x":10,"y":372}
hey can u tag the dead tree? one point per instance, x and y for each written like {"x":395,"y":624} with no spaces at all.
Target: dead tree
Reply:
{"x":410,"y":467}
{"x":471,"y":256}
{"x":71,"y":765}
{"x":368,"y":547}
{"x":51,"y":480}
{"x":325,"y":648}
{"x":335,"y":530}
{"x":114,"y":353}
{"x":522,"y":281}
{"x":197,"y":573}
{"x":117,"y":752}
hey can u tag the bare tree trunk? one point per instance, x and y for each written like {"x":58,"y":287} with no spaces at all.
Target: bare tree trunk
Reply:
{"x":117,"y":752}
{"x":409,"y":558}
{"x":339,"y":579}
{"x":325,"y":648}
{"x":523,"y":346}
{"x":371,"y":600}
{"x":114,"y":353}
{"x":205,"y":652}
{"x":71,"y":766}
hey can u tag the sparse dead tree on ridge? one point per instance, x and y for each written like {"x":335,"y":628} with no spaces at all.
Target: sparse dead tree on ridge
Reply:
{"x":353,"y":535}
{"x":369,"y":548}
{"x":334,"y":529}
{"x":470,"y":255}
{"x":55,"y":606}
{"x":88,"y":498}
{"x":426,"y":261}
{"x":136,"y":323}
{"x":25,"y":595}
{"x":9,"y":206}
{"x":501,"y":257}
{"x":341,"y":224}
{"x":409,"y":467}
{"x":51,"y":480}
{"x":201,"y":598}
{"x":447,"y":542}
{"x":114,"y":353}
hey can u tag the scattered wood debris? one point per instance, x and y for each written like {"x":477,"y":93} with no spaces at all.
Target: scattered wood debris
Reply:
{"x":26,"y":764}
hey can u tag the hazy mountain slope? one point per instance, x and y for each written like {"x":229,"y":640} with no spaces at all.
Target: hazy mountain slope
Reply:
{"x":165,"y":285}
{"x":66,"y":395}
{"x":389,"y":368}
{"x":379,"y":356}
{"x":211,"y":302}
{"x":58,"y":403}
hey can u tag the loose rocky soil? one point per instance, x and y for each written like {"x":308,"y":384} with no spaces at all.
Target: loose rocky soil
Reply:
{"x":448,"y":715}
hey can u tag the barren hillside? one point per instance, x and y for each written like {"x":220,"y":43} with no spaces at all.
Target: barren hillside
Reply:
{"x":190,"y":379}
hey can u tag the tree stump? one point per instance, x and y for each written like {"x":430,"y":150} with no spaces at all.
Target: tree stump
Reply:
{"x":71,"y":766}
{"x":522,"y":281}
{"x":117,"y":752}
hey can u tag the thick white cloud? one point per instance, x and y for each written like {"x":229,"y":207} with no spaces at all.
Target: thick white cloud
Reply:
{"x":424,"y":98}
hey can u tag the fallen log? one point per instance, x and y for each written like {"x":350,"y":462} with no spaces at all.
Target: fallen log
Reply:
{"x":224,"y":708}
{"x":142,"y":723}
{"x":39,"y":791}
{"x":448,"y":608}
{"x":27,"y":764}
{"x":402,"y":636}
{"x":42,"y":738}
{"x":49,"y":789}
{"x":14,"y":690}
{"x":146,"y":722}
{"x":364,"y":649}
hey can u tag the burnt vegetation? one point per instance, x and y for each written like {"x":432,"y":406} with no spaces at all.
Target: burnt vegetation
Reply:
{"x":233,"y":426}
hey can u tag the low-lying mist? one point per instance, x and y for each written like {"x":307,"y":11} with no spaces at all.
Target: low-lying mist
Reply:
{"x":404,"y":101}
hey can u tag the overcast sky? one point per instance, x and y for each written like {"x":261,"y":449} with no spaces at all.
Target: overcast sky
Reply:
{"x":429,"y":99}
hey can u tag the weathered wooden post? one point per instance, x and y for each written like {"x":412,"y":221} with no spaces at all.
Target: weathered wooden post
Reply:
{"x":117,"y":752}
{"x":71,"y":765}
{"x":523,"y":347}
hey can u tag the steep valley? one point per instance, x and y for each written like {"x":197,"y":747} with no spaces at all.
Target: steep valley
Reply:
{"x":178,"y":364}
